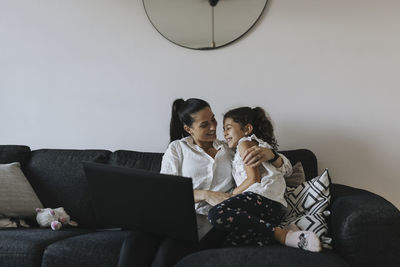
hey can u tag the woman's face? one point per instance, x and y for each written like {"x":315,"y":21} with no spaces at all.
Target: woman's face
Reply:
{"x":204,"y":126}
{"x":233,"y":132}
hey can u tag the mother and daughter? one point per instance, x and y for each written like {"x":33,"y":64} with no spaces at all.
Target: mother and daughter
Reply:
{"x":250,"y":212}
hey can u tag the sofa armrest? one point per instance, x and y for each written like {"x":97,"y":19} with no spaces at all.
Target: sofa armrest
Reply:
{"x":365,"y":227}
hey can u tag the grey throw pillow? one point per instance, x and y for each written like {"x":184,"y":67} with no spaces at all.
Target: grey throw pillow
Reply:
{"x":297,"y":177}
{"x":17,"y":198}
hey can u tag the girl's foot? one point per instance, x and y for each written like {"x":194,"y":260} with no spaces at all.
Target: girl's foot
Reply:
{"x":305,"y":240}
{"x":292,"y":227}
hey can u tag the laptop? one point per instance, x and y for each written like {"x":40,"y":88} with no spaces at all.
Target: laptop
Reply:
{"x":143,"y":201}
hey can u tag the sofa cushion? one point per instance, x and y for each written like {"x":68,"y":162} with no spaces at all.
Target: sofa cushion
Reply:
{"x":138,"y":160}
{"x":17,"y":198}
{"x":24,"y":247}
{"x":59,"y":180}
{"x":101,"y":248}
{"x":275,"y":255}
{"x":14,"y":153}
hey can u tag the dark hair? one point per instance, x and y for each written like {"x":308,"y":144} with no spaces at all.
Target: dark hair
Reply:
{"x":262,"y":126}
{"x":182,"y":112}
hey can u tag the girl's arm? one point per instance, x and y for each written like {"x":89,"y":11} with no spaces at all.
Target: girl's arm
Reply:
{"x":253,"y":173}
{"x":286,"y":167}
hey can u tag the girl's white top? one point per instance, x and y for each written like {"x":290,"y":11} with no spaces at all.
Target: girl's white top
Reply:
{"x":272,"y":184}
{"x":184,"y":158}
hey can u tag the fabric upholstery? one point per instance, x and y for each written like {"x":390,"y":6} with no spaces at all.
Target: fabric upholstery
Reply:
{"x":365,"y":227}
{"x":58,"y":178}
{"x":138,"y":249}
{"x":95,"y":249}
{"x":14,"y":153}
{"x":138,"y":160}
{"x":275,"y":255}
{"x":25,"y":247}
{"x":171,"y":251}
{"x":17,"y":198}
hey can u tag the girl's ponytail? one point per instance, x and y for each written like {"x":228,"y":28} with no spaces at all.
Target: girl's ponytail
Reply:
{"x":263,"y":127}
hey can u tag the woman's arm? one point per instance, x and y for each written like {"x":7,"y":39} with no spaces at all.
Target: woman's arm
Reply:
{"x":172,"y":160}
{"x":211,"y":197}
{"x":199,"y":195}
{"x":255,"y":155}
{"x":253,"y":173}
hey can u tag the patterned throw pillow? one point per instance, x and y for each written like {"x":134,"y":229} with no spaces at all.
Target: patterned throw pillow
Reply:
{"x":307,"y":205}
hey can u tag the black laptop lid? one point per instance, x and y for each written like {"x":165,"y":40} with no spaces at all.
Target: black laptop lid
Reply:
{"x":143,"y":201}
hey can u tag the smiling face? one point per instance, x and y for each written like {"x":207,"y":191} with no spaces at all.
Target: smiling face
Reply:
{"x":233,"y":132}
{"x":204,"y":126}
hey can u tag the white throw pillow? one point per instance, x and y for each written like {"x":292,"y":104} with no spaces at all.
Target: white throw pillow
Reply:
{"x":17,"y":198}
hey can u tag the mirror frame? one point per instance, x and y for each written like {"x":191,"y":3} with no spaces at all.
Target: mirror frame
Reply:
{"x":208,"y":48}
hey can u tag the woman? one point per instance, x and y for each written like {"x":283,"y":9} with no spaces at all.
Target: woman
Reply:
{"x":195,"y":152}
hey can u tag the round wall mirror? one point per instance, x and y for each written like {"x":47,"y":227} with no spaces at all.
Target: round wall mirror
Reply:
{"x":203,"y":24}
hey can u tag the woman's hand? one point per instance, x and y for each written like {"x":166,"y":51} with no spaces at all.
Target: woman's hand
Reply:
{"x":199,"y":195}
{"x":256,"y":155}
{"x":211,"y":197}
{"x":214,"y":198}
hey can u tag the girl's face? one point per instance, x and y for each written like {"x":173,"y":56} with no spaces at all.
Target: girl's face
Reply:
{"x":204,"y":126}
{"x":233,"y":132}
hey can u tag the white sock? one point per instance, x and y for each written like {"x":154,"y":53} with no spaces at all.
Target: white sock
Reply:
{"x":303,"y":239}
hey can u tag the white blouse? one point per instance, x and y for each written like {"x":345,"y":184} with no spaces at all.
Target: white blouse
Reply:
{"x":184,"y":158}
{"x":272,"y":184}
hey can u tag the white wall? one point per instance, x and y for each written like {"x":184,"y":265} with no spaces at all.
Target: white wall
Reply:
{"x":95,"y":74}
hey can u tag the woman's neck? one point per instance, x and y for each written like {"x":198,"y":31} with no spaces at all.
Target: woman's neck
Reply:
{"x":207,"y":148}
{"x":204,"y":145}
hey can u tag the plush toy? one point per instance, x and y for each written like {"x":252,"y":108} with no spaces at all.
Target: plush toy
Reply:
{"x":55,"y":218}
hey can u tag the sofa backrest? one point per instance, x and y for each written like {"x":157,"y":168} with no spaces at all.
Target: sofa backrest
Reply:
{"x":14,"y":153}
{"x":138,"y":160}
{"x":152,"y":161}
{"x":307,"y":159}
{"x":58,"y":178}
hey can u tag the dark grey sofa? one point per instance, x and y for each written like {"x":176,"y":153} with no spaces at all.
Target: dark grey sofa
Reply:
{"x":365,"y":227}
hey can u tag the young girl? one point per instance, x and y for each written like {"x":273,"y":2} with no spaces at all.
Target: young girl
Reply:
{"x":254,"y":211}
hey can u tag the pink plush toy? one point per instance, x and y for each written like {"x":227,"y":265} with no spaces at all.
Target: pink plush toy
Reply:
{"x":55,"y":218}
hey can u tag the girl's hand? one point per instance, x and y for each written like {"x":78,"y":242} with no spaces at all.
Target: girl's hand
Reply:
{"x":214,"y":198}
{"x":256,"y":155}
